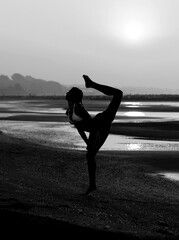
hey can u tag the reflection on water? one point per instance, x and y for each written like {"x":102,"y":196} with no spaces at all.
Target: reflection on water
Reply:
{"x":134,"y":146}
{"x":134,"y":114}
{"x":150,"y":103}
{"x":174,"y":176}
{"x":132,"y":104}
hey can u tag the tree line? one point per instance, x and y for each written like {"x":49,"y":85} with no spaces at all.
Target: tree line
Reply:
{"x":128,"y":97}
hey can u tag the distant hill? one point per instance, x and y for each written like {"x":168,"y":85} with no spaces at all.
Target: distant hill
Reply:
{"x":27,"y":85}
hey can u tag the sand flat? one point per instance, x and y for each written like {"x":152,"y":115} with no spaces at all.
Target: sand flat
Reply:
{"x":44,"y":184}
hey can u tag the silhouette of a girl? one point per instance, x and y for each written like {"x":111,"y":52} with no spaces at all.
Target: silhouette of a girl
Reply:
{"x":98,"y":127}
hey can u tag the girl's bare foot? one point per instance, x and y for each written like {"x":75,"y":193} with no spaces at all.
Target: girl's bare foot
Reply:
{"x":88,"y":81}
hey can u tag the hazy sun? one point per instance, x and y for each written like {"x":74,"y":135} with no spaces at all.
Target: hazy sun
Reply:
{"x":132,"y":24}
{"x":133,"y":32}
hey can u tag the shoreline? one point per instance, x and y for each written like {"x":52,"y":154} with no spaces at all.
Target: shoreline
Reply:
{"x":166,"y":131}
{"x":161,"y":130}
{"x":41,"y":186}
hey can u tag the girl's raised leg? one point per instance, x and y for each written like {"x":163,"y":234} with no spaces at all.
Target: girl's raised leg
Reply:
{"x":117,"y":94}
{"x":107,"y":90}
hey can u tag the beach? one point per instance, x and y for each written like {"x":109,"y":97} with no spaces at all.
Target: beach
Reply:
{"x":43,"y":179}
{"x":42,"y":187}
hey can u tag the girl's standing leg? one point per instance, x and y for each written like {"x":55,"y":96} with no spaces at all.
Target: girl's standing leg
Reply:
{"x":91,"y":161}
{"x":102,"y":123}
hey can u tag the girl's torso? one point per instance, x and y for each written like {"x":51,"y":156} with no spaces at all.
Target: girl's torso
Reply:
{"x":78,"y":115}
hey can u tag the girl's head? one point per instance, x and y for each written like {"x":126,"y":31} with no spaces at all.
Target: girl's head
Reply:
{"x":74,"y":95}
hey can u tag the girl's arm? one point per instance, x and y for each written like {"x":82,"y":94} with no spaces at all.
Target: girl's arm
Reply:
{"x":82,"y":134}
{"x":81,"y":112}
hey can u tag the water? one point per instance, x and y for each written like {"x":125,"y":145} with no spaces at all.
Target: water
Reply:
{"x":173,"y":176}
{"x":61,"y":134}
{"x":170,"y":175}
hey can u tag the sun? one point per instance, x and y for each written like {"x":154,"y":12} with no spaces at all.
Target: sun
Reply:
{"x":133,"y":32}
{"x":132,"y":25}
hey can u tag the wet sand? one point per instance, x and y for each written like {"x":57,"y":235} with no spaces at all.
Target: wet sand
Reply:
{"x":161,"y":130}
{"x":41,"y":191}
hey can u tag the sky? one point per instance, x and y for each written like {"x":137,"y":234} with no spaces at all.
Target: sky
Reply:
{"x":118,"y":42}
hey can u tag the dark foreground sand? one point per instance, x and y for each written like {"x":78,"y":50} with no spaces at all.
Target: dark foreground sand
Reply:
{"x":41,"y":191}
